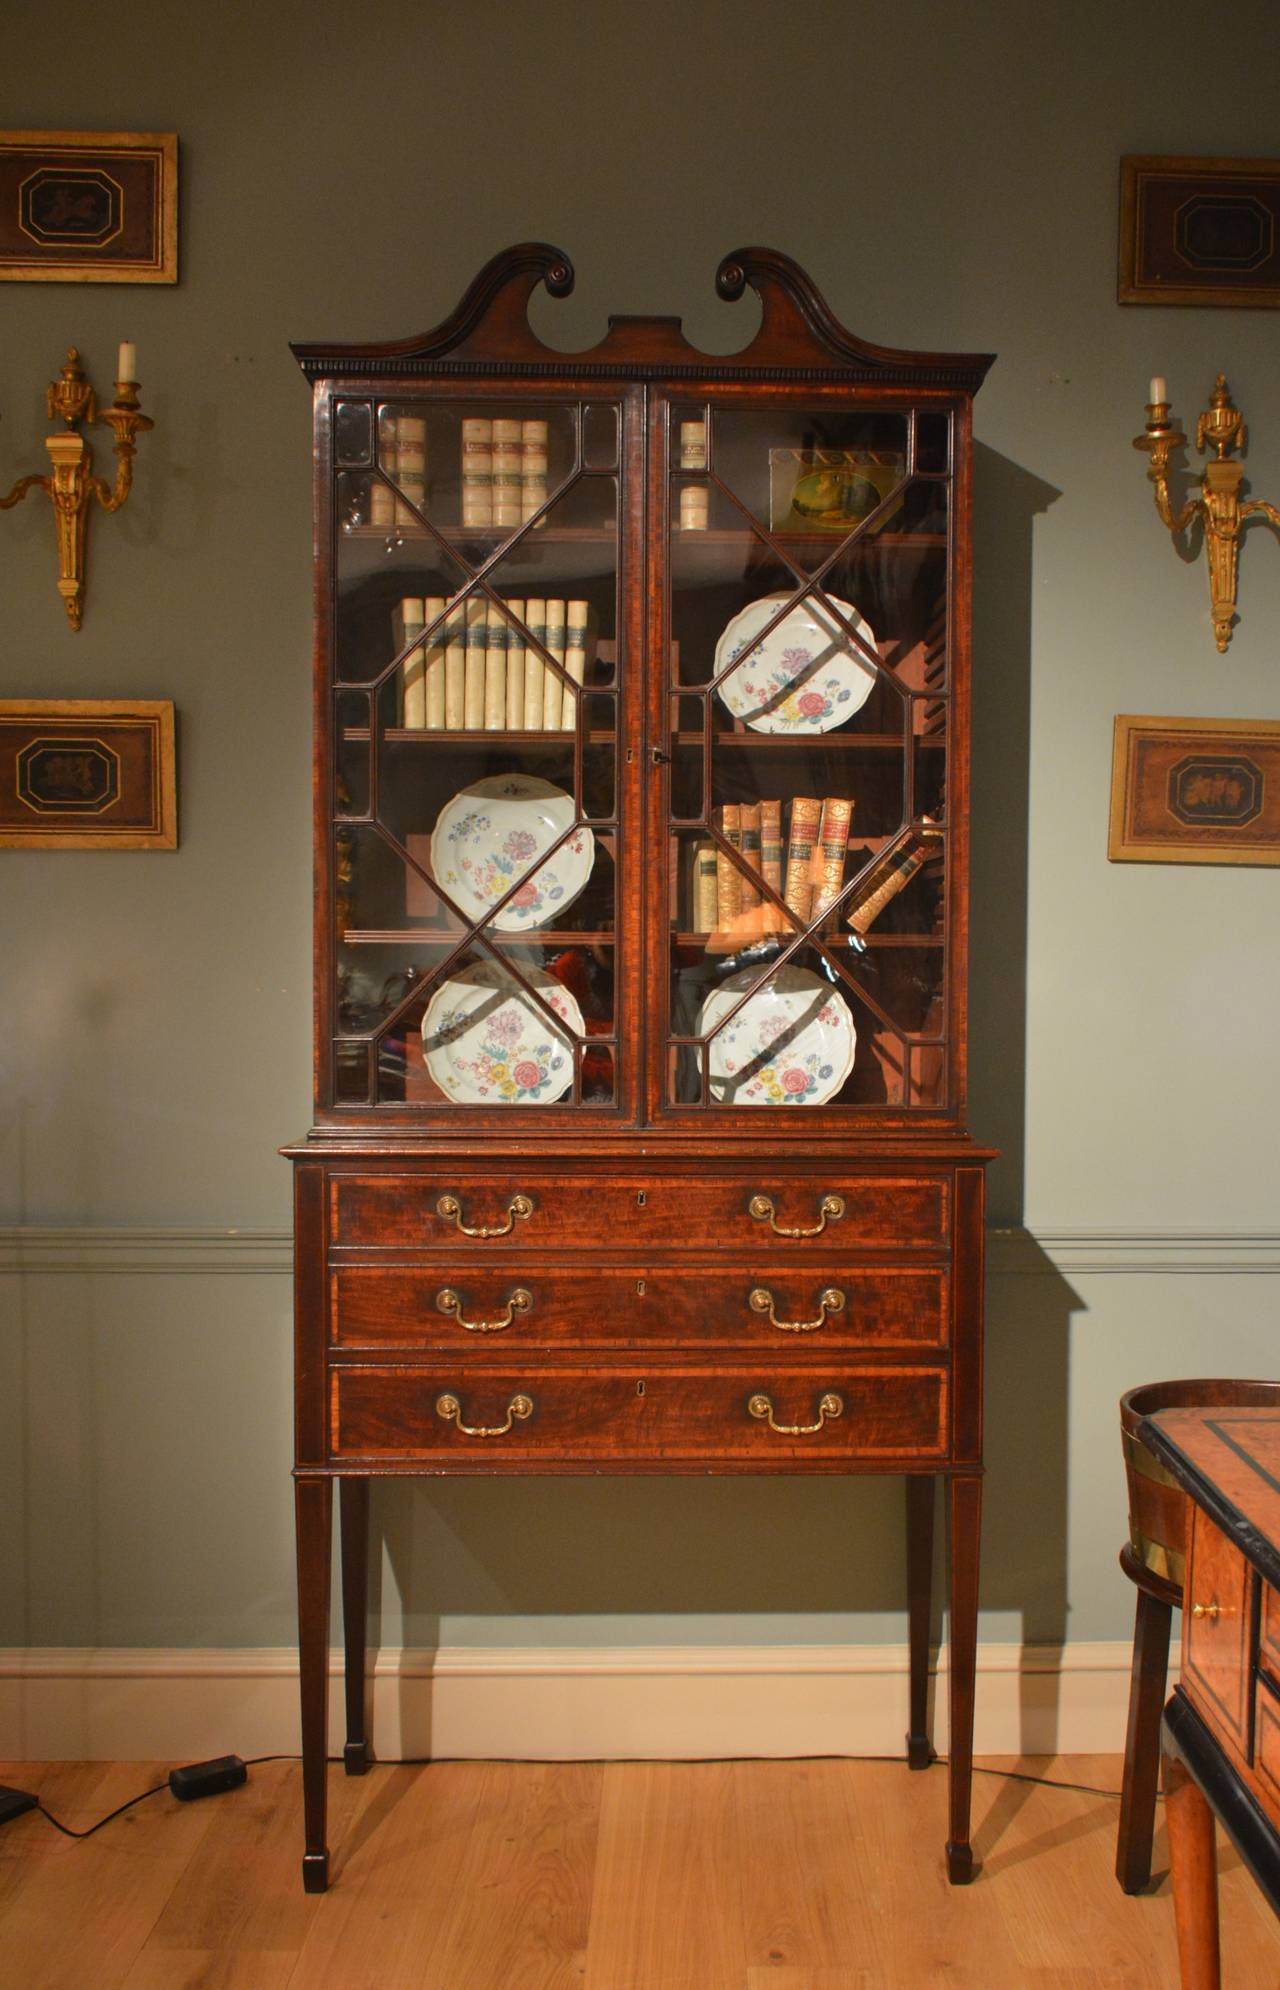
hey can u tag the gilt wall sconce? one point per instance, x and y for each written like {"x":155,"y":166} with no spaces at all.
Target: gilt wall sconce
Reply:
{"x":72,"y":486}
{"x":1217,"y":505}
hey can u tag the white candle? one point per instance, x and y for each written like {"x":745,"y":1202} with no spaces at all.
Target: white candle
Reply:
{"x":127,"y":362}
{"x":1159,"y":389}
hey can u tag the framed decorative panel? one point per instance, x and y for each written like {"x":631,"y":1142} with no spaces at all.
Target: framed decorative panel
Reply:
{"x":1199,"y":231}
{"x":1195,"y":791}
{"x":89,"y":206}
{"x":87,"y":774}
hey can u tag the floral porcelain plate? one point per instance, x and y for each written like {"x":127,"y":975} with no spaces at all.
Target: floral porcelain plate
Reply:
{"x":806,"y":676}
{"x":487,"y":1043}
{"x":790,"y":1044}
{"x":495,"y":832}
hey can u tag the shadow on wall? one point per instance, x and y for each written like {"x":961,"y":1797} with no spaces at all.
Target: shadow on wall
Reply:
{"x":1006,"y":501}
{"x":748,"y":1549}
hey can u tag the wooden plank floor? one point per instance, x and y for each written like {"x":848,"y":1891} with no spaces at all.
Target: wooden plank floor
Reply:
{"x":812,"y":1875}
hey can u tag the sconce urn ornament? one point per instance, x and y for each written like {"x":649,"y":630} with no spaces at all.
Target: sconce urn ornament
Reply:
{"x":73,"y":486}
{"x":1218,"y":502}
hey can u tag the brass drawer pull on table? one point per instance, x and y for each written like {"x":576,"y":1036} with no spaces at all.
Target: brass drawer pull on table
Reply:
{"x":451,"y":1410}
{"x":762,"y":1208}
{"x":829,"y":1405}
{"x":1212,"y":1611}
{"x":451,"y":1210}
{"x":520,"y":1301}
{"x":829,"y":1301}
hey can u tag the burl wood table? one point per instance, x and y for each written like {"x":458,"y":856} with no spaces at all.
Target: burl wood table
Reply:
{"x":1221,"y":1731}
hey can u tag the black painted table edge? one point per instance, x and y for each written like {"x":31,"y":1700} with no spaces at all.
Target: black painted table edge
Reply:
{"x":1186,"y":1737}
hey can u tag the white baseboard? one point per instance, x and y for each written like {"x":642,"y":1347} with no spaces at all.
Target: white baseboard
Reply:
{"x":566,"y":1703}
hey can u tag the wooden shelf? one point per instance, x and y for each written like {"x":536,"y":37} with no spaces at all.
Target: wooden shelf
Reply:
{"x":423,"y":936}
{"x":842,"y":742}
{"x":421,"y":736}
{"x":873,"y":940}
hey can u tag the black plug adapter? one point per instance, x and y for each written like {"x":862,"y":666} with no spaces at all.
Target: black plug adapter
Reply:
{"x":14,"y":1802}
{"x":208,"y":1779}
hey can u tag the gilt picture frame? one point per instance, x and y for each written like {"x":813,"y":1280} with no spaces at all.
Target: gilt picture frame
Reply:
{"x":87,"y":774}
{"x":88,"y":206}
{"x":1195,"y":791}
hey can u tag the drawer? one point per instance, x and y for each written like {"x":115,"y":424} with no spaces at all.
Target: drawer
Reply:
{"x":1215,"y":1632}
{"x":1269,"y":1633}
{"x":552,"y":1306}
{"x":516,"y":1209}
{"x":1267,"y":1745}
{"x":754,"y":1417}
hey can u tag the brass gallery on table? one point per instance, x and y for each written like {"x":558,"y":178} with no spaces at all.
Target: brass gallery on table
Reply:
{"x":641,"y":837}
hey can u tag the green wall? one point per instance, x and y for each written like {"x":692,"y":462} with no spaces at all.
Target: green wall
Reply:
{"x":949,"y":176}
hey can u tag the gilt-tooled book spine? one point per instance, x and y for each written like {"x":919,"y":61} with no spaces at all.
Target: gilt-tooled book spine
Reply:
{"x":771,"y":862}
{"x":533,"y":467}
{"x":477,"y":645}
{"x":751,"y":921}
{"x":557,"y":636}
{"x":508,"y":468}
{"x":535,"y":670}
{"x":477,"y":471}
{"x":406,"y":627}
{"x":455,"y":670}
{"x":806,"y":814}
{"x":728,"y":876}
{"x":829,"y":853}
{"x":515,"y":668}
{"x":885,"y":883}
{"x":495,"y":671}
{"x":705,"y":899}
{"x":434,"y":673}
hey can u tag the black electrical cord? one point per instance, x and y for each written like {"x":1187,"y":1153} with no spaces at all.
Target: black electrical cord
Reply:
{"x":939,"y":1762}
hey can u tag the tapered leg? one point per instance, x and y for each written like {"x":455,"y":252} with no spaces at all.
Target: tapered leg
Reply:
{"x":966,"y":1527}
{"x":1142,"y":1741}
{"x":1192,"y":1857}
{"x":353,"y":1519}
{"x":920,"y":1504}
{"x":313,"y":1508}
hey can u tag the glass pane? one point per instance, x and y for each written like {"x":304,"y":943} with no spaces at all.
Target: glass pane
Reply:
{"x":476,"y":831}
{"x":806,"y":781}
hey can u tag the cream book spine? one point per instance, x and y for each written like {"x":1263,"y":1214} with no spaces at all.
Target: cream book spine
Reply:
{"x":477,"y":619}
{"x":382,"y":499}
{"x":455,"y":669}
{"x":411,"y":464}
{"x":508,"y":467}
{"x":557,"y":634}
{"x":535,"y":670}
{"x":477,"y":471}
{"x":407,"y":625}
{"x":515,"y":668}
{"x":533,"y":479}
{"x":578,"y":618}
{"x":433,"y":608}
{"x":495,"y":671}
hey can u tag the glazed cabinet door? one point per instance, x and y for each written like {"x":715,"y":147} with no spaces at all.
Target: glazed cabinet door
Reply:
{"x":807,"y":776}
{"x":476,"y":843}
